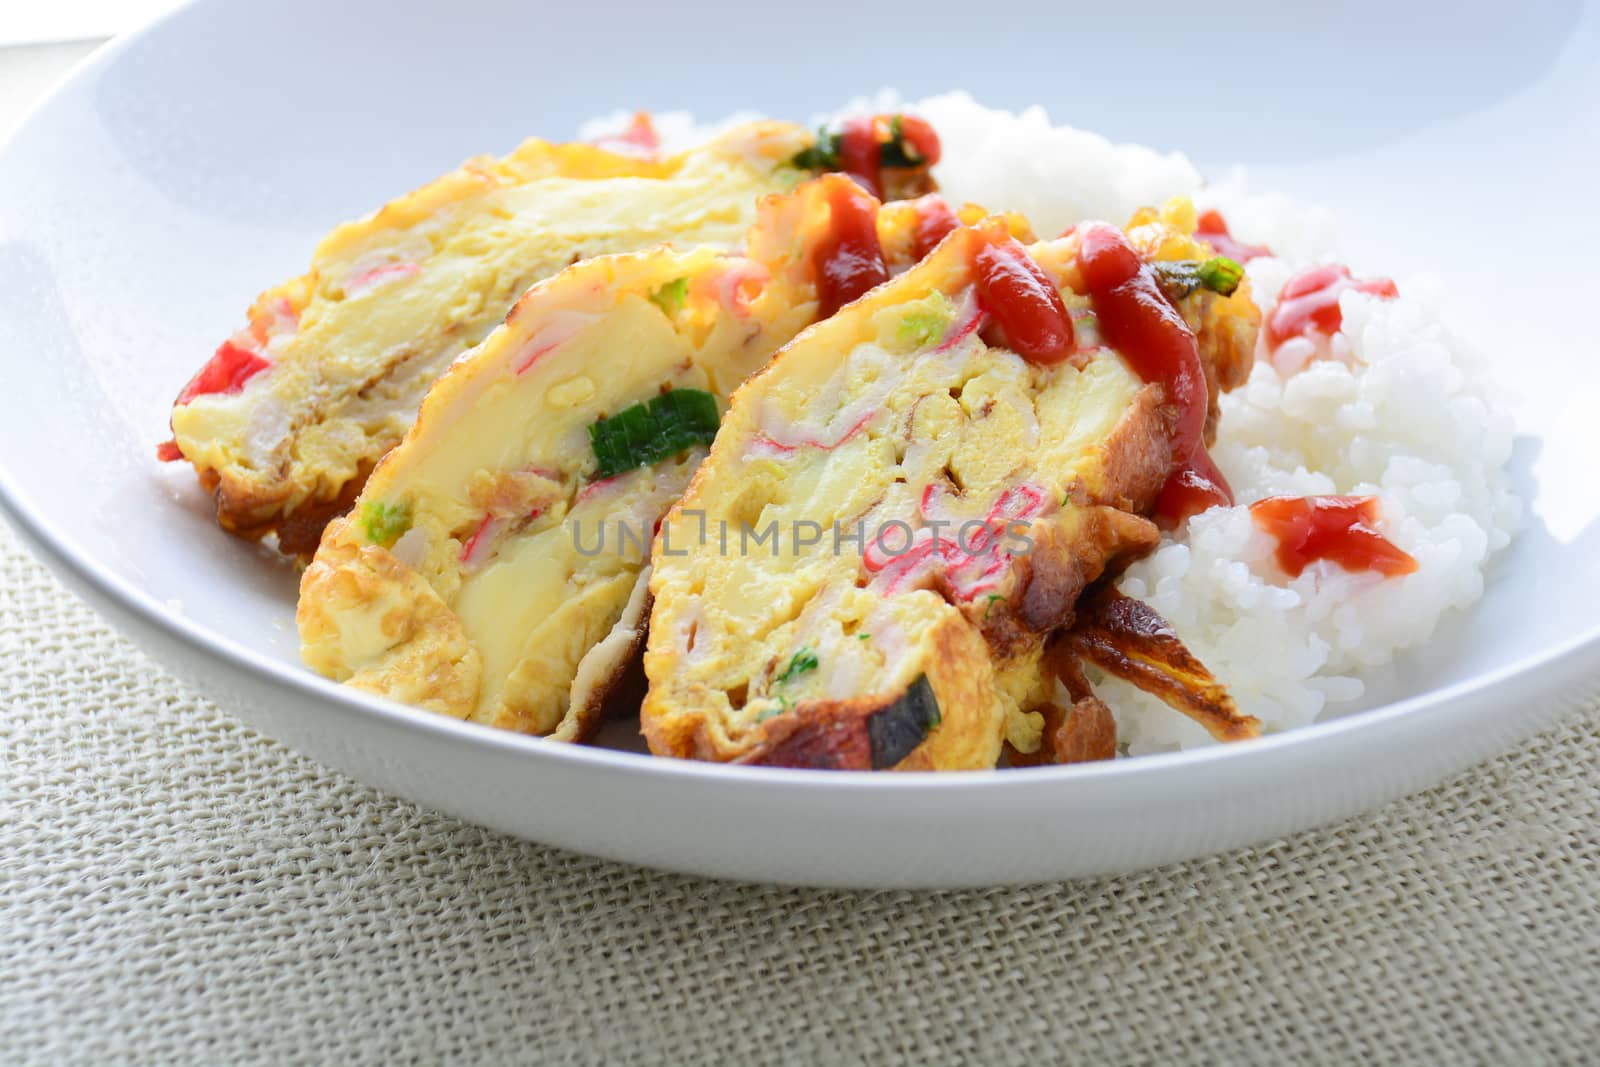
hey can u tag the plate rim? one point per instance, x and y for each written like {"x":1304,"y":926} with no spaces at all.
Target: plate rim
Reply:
{"x":289,"y":680}
{"x":64,"y":554}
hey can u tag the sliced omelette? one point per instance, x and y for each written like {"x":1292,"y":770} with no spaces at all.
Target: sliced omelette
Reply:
{"x":289,"y":416}
{"x":906,"y":503}
{"x":494,"y":566}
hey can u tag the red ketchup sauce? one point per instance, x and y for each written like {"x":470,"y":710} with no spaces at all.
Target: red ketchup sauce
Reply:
{"x":1309,"y":302}
{"x":849,"y":258}
{"x":1024,"y":303}
{"x":1140,"y":322}
{"x":858,"y":153}
{"x":935,"y":221}
{"x":1212,"y":228}
{"x":861,"y":146}
{"x":1337,"y":528}
{"x":1192,"y":488}
{"x":920,"y":135}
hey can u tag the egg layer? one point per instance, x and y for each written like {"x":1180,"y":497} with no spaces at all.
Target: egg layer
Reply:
{"x":490,"y":570}
{"x":896,"y":505}
{"x":328,"y":375}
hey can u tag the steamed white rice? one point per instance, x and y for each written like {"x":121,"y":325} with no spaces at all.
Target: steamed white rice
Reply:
{"x":1396,"y":409}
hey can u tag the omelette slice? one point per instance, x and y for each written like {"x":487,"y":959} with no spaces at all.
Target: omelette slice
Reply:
{"x":910,"y":498}
{"x":289,"y":416}
{"x":493,"y":568}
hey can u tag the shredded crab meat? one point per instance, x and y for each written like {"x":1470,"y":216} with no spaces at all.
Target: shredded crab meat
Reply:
{"x":364,"y":281}
{"x":1086,"y":332}
{"x":827,"y":439}
{"x":779,"y":437}
{"x":639,"y":138}
{"x":737,"y":286}
{"x":279,"y":323}
{"x":970,"y":318}
{"x":971,"y":562}
{"x":600,"y":487}
{"x":411,"y":549}
{"x":557,"y":329}
{"x":477,"y":547}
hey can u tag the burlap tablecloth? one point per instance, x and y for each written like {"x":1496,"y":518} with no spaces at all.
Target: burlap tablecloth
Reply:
{"x":176,"y":889}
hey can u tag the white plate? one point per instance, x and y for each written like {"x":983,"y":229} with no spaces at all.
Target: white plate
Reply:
{"x":182,"y":169}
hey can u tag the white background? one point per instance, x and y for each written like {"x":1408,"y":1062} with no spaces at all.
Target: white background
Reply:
{"x":67,"y":20}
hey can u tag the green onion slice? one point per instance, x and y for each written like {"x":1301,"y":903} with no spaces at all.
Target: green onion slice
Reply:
{"x":1220,"y":274}
{"x":671,"y":296}
{"x":384,"y":522}
{"x":800,"y":663}
{"x":1179,"y":278}
{"x":824,"y":155}
{"x":647,"y":433}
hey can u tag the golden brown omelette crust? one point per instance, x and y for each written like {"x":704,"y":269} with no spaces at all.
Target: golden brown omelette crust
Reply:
{"x":1127,"y":638}
{"x":253,"y":504}
{"x":1082,"y":733}
{"x":432,"y":663}
{"x":429,"y":647}
{"x":1103,"y":531}
{"x":605,"y":696}
{"x":1224,"y":326}
{"x":833,"y":734}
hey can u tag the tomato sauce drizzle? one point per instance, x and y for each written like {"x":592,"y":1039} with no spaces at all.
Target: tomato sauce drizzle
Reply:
{"x":935,"y":221}
{"x":1024,"y":302}
{"x":1212,"y":228}
{"x":1336,"y":528}
{"x":849,"y":258}
{"x":859,"y":154}
{"x":1309,"y":302}
{"x":861,"y":141}
{"x":1193,"y":487}
{"x":921,"y":136}
{"x":1137,"y":320}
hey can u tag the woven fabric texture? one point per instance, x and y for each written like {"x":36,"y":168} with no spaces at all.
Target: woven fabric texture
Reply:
{"x":176,"y":889}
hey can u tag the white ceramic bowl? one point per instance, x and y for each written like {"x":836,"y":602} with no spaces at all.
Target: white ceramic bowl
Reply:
{"x":183,"y":168}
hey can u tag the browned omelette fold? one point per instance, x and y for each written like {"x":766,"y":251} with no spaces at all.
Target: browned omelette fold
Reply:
{"x":494,"y":569}
{"x":288,"y":418}
{"x":934,"y":505}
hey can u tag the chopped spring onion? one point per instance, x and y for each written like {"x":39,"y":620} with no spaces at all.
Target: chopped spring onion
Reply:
{"x":800,"y":663}
{"x":824,"y":155}
{"x":647,"y":433}
{"x":1221,"y":275}
{"x":385,"y":522}
{"x":918,"y":324}
{"x":671,"y":296}
{"x":922,"y":328}
{"x":897,"y":151}
{"x":1179,"y":278}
